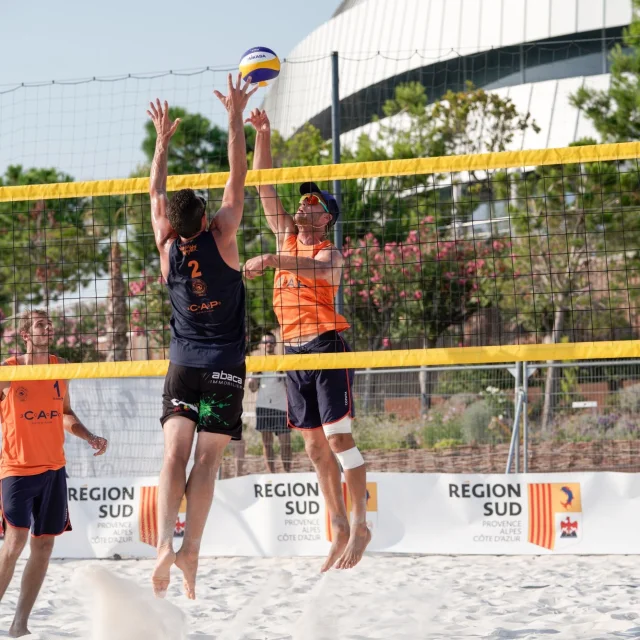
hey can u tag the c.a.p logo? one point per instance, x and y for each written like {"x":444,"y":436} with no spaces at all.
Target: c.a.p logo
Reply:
{"x":555,"y":514}
{"x":199,"y":287}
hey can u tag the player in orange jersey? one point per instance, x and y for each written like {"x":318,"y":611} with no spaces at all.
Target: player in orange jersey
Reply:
{"x":33,"y":486}
{"x":308,"y":272}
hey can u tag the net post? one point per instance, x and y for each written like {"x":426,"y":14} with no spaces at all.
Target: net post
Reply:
{"x":335,"y":144}
{"x":525,"y":417}
{"x":516,"y":425}
{"x":515,"y":434}
{"x":603,"y":48}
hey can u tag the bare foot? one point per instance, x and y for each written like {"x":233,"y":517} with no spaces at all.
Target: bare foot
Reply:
{"x":340,"y":535}
{"x":162,"y":572}
{"x":16,"y":631}
{"x":360,"y":538}
{"x":188,"y":564}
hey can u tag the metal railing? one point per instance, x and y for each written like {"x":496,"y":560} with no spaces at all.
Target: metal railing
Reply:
{"x":518,"y":417}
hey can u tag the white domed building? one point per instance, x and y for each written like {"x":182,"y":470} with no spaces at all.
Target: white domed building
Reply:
{"x":536,"y":52}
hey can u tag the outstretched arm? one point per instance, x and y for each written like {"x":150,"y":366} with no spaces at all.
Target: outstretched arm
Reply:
{"x":74,"y":426}
{"x":162,"y":230}
{"x":227,"y":220}
{"x":327,"y":265}
{"x":279,"y":221}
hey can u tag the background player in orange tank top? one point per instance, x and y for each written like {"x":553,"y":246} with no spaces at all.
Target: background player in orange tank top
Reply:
{"x":33,"y":485}
{"x":319,"y":402}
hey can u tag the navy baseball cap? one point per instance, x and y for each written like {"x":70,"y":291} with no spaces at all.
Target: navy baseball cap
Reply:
{"x":330,"y":201}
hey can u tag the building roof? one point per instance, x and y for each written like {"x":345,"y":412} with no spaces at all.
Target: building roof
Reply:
{"x":383,"y":43}
{"x":345,"y":5}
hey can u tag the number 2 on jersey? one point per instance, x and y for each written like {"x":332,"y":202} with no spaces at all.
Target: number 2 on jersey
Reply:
{"x":195,"y":272}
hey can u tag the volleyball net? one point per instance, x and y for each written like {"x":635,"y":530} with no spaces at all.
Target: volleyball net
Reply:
{"x":455,"y":268}
{"x":489,"y":258}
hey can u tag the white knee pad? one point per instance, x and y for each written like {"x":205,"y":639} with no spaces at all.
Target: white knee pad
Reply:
{"x":341,"y":426}
{"x":350,"y":459}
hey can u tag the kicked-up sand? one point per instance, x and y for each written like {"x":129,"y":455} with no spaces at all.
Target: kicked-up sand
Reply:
{"x":385,"y":597}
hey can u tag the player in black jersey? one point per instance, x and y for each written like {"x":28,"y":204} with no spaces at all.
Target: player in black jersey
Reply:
{"x":204,"y":386}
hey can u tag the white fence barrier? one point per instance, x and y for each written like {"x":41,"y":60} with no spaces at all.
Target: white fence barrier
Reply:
{"x":285,"y":515}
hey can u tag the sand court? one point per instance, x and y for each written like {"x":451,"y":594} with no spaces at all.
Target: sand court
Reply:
{"x":390,"y":597}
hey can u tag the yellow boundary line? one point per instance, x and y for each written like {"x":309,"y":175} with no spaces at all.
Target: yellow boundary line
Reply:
{"x":362,"y":360}
{"x":352,"y":171}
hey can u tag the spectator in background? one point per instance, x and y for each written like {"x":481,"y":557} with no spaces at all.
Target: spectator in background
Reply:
{"x":271,"y":409}
{"x":238,"y":448}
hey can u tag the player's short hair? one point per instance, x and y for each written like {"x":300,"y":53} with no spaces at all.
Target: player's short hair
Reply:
{"x":185,"y":212}
{"x":28,"y":317}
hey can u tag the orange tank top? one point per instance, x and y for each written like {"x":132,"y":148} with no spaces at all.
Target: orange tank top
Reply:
{"x":32,"y":426}
{"x":304,"y":306}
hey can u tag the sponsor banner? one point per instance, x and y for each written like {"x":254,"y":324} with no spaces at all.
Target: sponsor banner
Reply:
{"x":285,"y":515}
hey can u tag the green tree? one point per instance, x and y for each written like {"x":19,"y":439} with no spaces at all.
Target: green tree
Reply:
{"x":465,"y":122}
{"x":615,"y":111}
{"x":117,"y":320}
{"x":114,"y":239}
{"x":571,"y":225}
{"x":150,"y":315}
{"x":471,"y":121}
{"x":416,"y":290}
{"x":46,"y":246}
{"x":410,"y":293}
{"x":198,"y":146}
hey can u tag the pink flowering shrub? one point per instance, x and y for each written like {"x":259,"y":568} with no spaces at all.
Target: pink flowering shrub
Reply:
{"x":418,"y":288}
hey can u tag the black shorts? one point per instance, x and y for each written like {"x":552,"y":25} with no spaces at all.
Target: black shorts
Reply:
{"x":271,"y":420}
{"x":318,"y":398}
{"x":210,"y":398}
{"x":36,"y":502}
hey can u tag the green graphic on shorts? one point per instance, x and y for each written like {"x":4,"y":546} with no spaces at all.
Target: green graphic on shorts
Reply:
{"x":210,"y":406}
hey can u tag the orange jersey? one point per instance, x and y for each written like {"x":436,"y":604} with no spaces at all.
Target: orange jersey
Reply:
{"x":304,"y":306}
{"x":32,"y":426}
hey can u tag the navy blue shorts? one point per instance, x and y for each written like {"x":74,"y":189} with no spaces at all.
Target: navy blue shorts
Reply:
{"x":36,"y":502}
{"x":212,"y":399}
{"x":318,"y":398}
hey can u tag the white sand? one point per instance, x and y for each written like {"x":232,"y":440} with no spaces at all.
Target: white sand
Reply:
{"x":390,"y":597}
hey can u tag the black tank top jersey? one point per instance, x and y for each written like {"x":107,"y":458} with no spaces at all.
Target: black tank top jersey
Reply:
{"x":208,"y":306}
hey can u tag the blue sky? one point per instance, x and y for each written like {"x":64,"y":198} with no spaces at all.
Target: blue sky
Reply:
{"x":94,"y":130}
{"x":46,"y":40}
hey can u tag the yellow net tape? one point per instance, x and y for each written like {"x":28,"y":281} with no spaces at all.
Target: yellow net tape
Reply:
{"x":362,"y":360}
{"x":352,"y":171}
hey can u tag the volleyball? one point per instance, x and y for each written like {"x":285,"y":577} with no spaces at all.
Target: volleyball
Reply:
{"x":262,"y":64}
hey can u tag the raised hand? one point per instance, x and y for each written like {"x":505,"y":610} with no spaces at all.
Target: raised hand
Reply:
{"x":237,"y":97}
{"x":255,"y":267}
{"x":160,"y":117}
{"x":259,"y":120}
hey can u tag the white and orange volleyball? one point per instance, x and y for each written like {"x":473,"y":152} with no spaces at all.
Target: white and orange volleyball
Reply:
{"x":262,"y":64}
